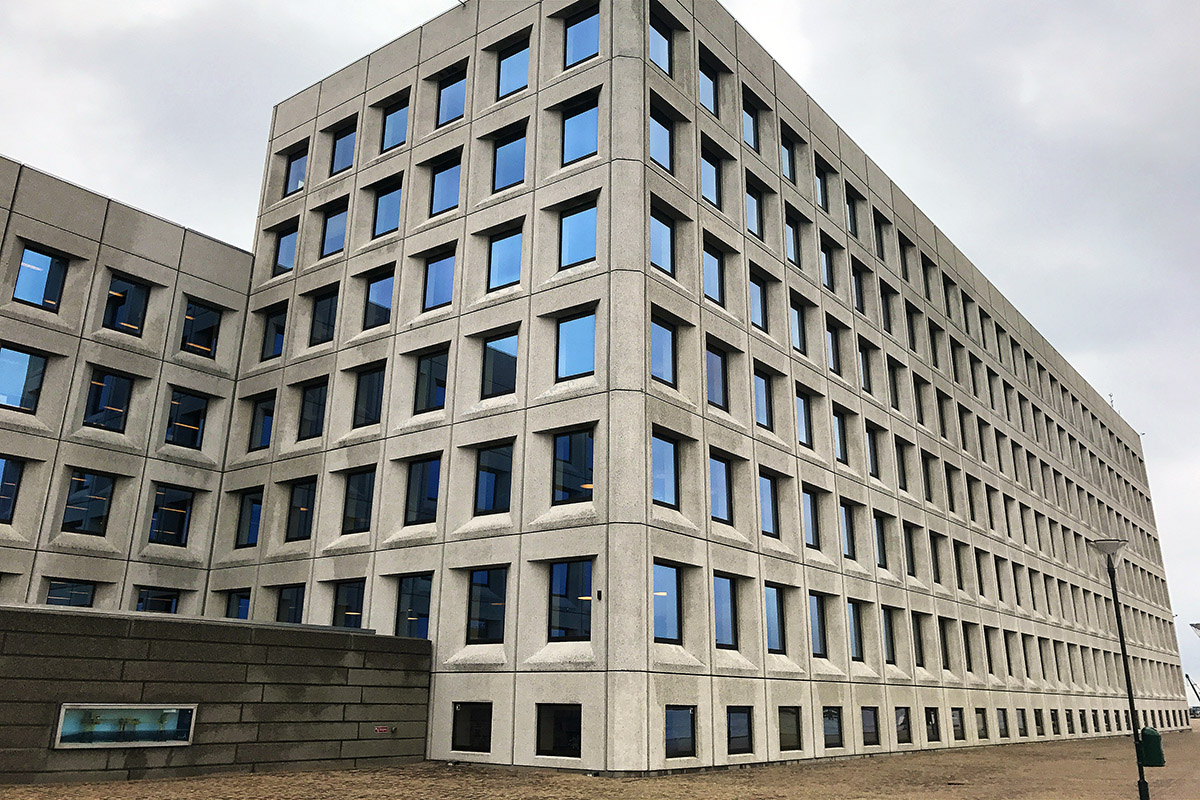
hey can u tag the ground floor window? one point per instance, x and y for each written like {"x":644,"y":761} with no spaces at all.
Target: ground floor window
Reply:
{"x":680,"y":731}
{"x":738,"y":721}
{"x":789,"y":728}
{"x":472,"y":728}
{"x":559,"y":729}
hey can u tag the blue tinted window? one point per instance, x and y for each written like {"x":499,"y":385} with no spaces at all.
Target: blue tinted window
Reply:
{"x":493,"y":479}
{"x":826,"y":264}
{"x":660,"y":140}
{"x":79,"y":594}
{"x":444,"y":195}
{"x":452,"y":98}
{"x":201,"y":326}
{"x":274,"y":332}
{"x":395,"y":125}
{"x":576,"y":347}
{"x":750,"y":126}
{"x":763,"y":415}
{"x":296,"y":165}
{"x":739,"y":725}
{"x":40,"y":279}
{"x":348,"y":603}
{"x":499,"y":366}
{"x":714,"y":367}
{"x":754,"y":222}
{"x":360,"y":497}
{"x":303,"y":497}
{"x":758,"y":303}
{"x":720,"y":489}
{"x":485,"y":609}
{"x":666,"y":604}
{"x":714,"y":276}
{"x":509,"y":167}
{"x":580,"y":133}
{"x":387,"y":210}
{"x":775,"y":631}
{"x":172,"y":515}
{"x":439,"y":281}
{"x":803,"y":419}
{"x":708,"y":87}
{"x":664,"y":481}
{"x":662,"y":242}
{"x":333,"y":240}
{"x":768,"y":507}
{"x":10,"y":484}
{"x":583,"y":37}
{"x":710,"y":179}
{"x":412,"y":607}
{"x":787,"y":158}
{"x":660,"y":45}
{"x":237,"y":604}
{"x":285,"y":250}
{"x":312,"y":410}
{"x":107,"y":401}
{"x":846,"y":522}
{"x":514,"y":70}
{"x":816,"y":624}
{"x":791,"y":241}
{"x":662,"y":351}
{"x":504,"y":260}
{"x":368,"y":397}
{"x":291,"y":604}
{"x":262,"y":420}
{"x":421,"y":496}
{"x":20,"y":379}
{"x":570,"y":601}
{"x":378,"y":309}
{"x":185,"y":419}
{"x":161,"y":601}
{"x":577,"y":236}
{"x":572,"y":467}
{"x":249,"y":519}
{"x":125,"y":308}
{"x":324,"y":318}
{"x":725,"y":611}
{"x":812,"y":531}
{"x":431,"y":381}
{"x":89,"y":497}
{"x":680,"y":732}
{"x":799,"y":339}
{"x":343,"y":152}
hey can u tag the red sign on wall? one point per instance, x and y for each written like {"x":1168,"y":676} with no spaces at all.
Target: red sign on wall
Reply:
{"x":382,"y":729}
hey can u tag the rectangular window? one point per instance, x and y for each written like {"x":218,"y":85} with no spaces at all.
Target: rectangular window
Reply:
{"x":660,"y":44}
{"x":324,"y":317}
{"x":125,"y":306}
{"x":312,"y":410}
{"x":348,"y":603}
{"x":668,"y":612}
{"x":301,"y":511}
{"x":499,"y":366}
{"x":918,"y":639}
{"x":237,"y":604}
{"x":957,"y":725}
{"x":791,"y":240}
{"x":816,"y":624}
{"x":768,"y":505}
{"x":825,"y":260}
{"x":720,"y":489}
{"x":508,"y":162}
{"x":879,"y":524}
{"x":664,"y":471}
{"x":576,"y":347}
{"x":172,"y":515}
{"x":291,"y":604}
{"x":776,"y":636}
{"x":662,"y":242}
{"x":662,"y":351}
{"x":360,"y":497}
{"x":864,"y":366}
{"x":889,"y":635}
{"x":660,"y":140}
{"x":10,"y":485}
{"x":395,"y":125}
{"x":981,"y":726}
{"x":378,"y":307}
{"x":754,"y":211}
{"x":832,"y":717}
{"x":493,"y":479}
{"x":368,"y":396}
{"x":680,"y":732}
{"x":821,"y":176}
{"x":709,"y":81}
{"x":582,"y":37}
{"x":833,"y":349}
{"x":185,"y":419}
{"x":870,"y":725}
{"x":714,"y":275}
{"x":64,"y":592}
{"x":715,"y":378}
{"x":512,"y":70}
{"x":485,"y":609}
{"x":443,"y":193}
{"x":504,"y":260}
{"x":789,"y":728}
{"x":297,"y":164}
{"x":854,"y":612}
{"x":841,"y":448}
{"x":1002,"y":723}
{"x":750,"y":125}
{"x":758,"y":302}
{"x":108,"y":401}
{"x":738,"y":728}
{"x":787,"y":157}
{"x":851,"y":213}
{"x":452,"y":97}
{"x":343,"y":151}
{"x":89,"y":498}
{"x":572,"y":467}
{"x":812,"y":532}
{"x":570,"y":601}
{"x":201,"y":324}
{"x":439,"y":282}
{"x":872,"y":436}
{"x":903,"y":725}
{"x":804,"y":418}
{"x":577,"y":236}
{"x":933,"y":727}
{"x":580,"y":131}
{"x":764,"y":412}
{"x":846,"y":522}
{"x":387,"y":209}
{"x":156,"y":600}
{"x":40,"y":279}
{"x":249,"y":518}
{"x":421,"y":495}
{"x":412,"y":605}
{"x":274,"y":332}
{"x":471,"y":729}
{"x":559,"y":730}
{"x":710,"y":177}
{"x":333,"y":233}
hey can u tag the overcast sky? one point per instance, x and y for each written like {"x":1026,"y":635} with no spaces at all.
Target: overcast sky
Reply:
{"x":1057,"y":144}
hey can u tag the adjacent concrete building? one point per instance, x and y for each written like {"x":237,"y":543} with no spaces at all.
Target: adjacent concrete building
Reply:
{"x":579,"y":339}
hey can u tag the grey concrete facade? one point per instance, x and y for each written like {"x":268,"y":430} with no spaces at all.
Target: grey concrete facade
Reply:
{"x":980,"y":457}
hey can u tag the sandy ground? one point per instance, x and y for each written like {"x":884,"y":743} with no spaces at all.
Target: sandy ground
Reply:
{"x":1094,"y":769}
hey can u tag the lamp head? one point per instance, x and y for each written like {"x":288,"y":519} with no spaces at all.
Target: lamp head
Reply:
{"x":1109,"y":547}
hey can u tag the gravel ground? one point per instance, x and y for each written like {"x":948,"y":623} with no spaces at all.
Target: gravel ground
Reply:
{"x":1095,"y":769}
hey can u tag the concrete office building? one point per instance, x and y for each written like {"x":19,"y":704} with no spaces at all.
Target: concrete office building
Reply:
{"x":578,"y":339}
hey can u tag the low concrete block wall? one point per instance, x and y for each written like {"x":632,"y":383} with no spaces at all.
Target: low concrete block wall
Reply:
{"x":268,"y":696}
